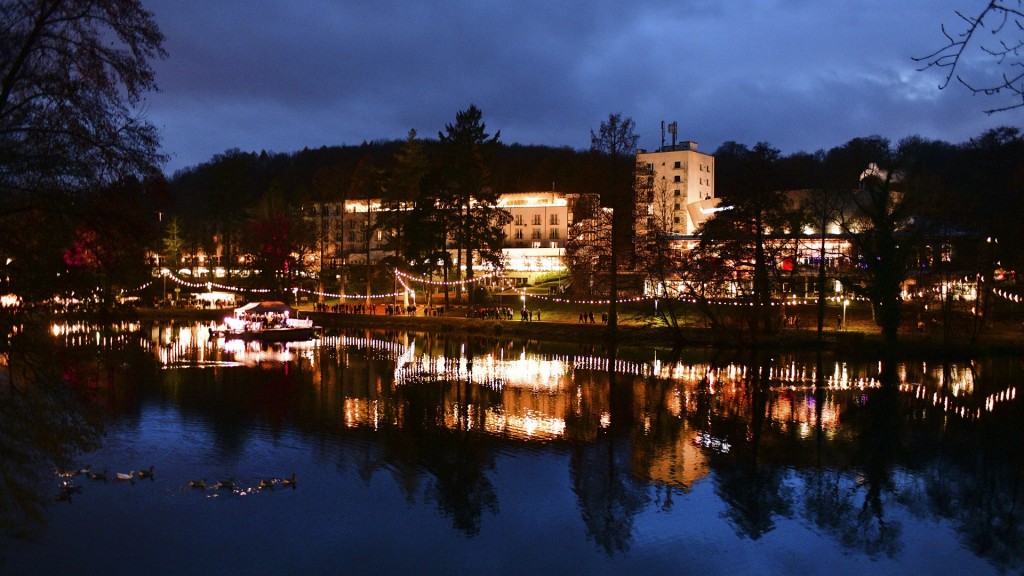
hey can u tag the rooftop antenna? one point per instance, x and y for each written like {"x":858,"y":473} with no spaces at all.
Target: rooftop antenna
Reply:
{"x":662,"y":135}
{"x":673,"y":129}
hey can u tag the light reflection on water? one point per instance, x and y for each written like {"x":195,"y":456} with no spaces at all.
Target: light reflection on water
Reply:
{"x":412,"y":450}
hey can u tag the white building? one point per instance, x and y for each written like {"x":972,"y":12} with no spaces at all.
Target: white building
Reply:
{"x":680,"y":190}
{"x":535,"y":238}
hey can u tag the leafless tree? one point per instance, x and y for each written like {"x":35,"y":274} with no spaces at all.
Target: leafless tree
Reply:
{"x":589,"y":246}
{"x":1004,"y":21}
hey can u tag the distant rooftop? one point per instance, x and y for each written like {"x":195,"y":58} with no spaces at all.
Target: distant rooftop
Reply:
{"x":677,"y":147}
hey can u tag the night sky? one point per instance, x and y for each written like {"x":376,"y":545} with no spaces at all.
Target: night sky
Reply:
{"x":280,"y":75}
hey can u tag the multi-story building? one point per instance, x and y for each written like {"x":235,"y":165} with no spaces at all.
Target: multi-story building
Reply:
{"x":680,"y":188}
{"x":534,"y":239}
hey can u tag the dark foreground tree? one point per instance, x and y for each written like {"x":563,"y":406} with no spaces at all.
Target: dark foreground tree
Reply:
{"x":72,"y":76}
{"x":615,"y":142}
{"x":72,"y":73}
{"x":750,"y":237}
{"x":878,"y":220}
{"x":468,"y":196}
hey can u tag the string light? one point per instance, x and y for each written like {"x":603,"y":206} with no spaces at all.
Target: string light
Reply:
{"x":402,"y":277}
{"x":140,"y":288}
{"x":1015,"y":298}
{"x":463,"y":282}
{"x":404,"y":285}
{"x":348,"y":296}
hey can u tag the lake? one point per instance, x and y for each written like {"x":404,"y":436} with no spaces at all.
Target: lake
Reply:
{"x":441,"y":454}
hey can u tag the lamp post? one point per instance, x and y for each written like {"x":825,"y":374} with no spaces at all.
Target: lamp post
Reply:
{"x":846,"y":302}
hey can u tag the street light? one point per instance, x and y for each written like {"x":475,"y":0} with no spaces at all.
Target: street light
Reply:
{"x":846,"y":302}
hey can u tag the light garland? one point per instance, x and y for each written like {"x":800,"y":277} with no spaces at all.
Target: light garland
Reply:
{"x":402,"y":277}
{"x":210,"y":285}
{"x":1015,"y":298}
{"x":347,"y":296}
{"x":795,"y":301}
{"x":408,"y":290}
{"x":140,"y":288}
{"x":463,"y":282}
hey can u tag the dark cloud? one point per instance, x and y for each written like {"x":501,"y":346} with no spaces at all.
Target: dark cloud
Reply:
{"x":283,"y":75}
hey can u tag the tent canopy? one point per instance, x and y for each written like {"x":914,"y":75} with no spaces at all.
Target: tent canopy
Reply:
{"x":265,"y":307}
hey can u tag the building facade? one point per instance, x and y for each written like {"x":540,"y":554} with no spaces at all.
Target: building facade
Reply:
{"x":679,"y":191}
{"x":534,"y":238}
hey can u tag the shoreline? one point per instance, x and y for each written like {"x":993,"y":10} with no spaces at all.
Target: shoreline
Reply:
{"x":856,"y":342}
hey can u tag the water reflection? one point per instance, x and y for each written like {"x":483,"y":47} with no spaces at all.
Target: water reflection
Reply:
{"x":860,"y":451}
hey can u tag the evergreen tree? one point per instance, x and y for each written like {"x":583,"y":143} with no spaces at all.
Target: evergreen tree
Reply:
{"x":466,"y":195}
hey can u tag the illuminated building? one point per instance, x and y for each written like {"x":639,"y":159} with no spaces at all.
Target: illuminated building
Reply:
{"x":680,"y":190}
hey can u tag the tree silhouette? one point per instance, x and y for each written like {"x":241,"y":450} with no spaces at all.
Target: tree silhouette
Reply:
{"x":615,"y":144}
{"x":1003,"y":21}
{"x":467,"y":195}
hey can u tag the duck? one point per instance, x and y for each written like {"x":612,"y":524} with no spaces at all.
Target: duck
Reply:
{"x":70,"y":488}
{"x":129,"y":476}
{"x":98,"y":475}
{"x":197,"y":484}
{"x":146,"y":473}
{"x":289,"y":481}
{"x":225,"y":484}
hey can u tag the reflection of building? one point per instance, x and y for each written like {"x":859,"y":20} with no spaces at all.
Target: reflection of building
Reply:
{"x":679,"y":464}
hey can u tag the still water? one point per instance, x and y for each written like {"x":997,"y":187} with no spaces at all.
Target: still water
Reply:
{"x":434,"y":454}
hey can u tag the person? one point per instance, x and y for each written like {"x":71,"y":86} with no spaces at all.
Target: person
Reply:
{"x":839,"y":321}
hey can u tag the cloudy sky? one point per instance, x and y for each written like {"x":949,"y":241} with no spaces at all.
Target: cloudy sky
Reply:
{"x":280,"y":75}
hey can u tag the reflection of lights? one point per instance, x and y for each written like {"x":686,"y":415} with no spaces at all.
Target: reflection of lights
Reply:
{"x":529,"y":395}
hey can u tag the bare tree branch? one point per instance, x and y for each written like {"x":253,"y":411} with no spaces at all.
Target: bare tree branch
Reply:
{"x":1004,"y":20}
